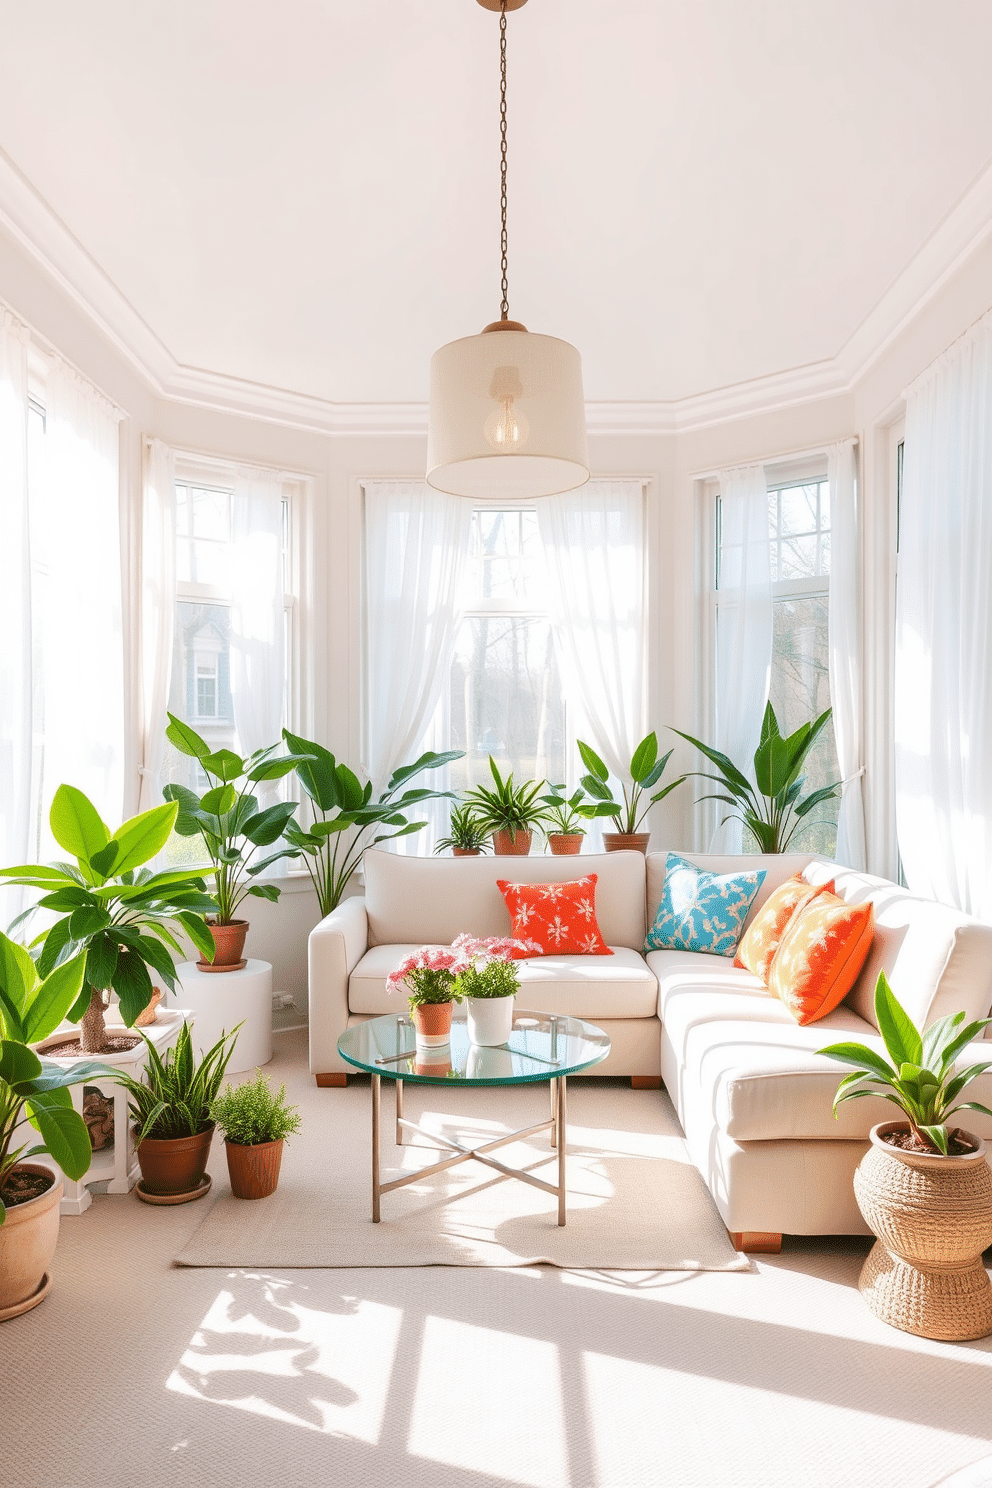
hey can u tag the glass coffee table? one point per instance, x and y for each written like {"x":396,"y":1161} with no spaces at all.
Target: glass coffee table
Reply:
{"x":542,"y":1047}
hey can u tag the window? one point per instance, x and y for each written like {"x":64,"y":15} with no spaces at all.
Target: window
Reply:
{"x":799,"y":552}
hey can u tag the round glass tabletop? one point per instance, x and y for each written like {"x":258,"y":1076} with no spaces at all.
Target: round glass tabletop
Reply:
{"x":541,"y":1047}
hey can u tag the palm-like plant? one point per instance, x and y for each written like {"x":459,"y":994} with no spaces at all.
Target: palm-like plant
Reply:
{"x":772,"y":808}
{"x":920,"y":1079}
{"x":505,"y":807}
{"x":645,"y":770}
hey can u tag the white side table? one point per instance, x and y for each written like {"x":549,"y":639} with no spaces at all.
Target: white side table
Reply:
{"x":221,"y":1000}
{"x":118,"y":1162}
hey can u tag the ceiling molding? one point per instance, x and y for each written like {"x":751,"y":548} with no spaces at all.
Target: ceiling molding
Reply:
{"x":49,"y":244}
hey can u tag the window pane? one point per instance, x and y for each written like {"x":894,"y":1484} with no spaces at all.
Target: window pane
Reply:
{"x":800,"y":691}
{"x":797,"y":558}
{"x":798,"y":506}
{"x":505,"y":553}
{"x":506,"y":700}
{"x":203,"y":533}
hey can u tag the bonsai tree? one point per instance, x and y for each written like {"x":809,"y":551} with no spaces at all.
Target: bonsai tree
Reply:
{"x":113,"y":908}
{"x":227,"y":816}
{"x":344,"y":813}
{"x":645,"y":770}
{"x":920,"y":1078}
{"x":32,"y":1090}
{"x":468,"y":832}
{"x":505,"y":807}
{"x":772,"y":808}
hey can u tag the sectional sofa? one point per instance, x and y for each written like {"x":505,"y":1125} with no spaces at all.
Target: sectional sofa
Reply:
{"x":753,"y":1095}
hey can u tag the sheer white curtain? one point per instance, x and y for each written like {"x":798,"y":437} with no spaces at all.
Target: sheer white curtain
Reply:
{"x":15,"y":606}
{"x":416,"y":543}
{"x":258,"y":670}
{"x":158,"y":611}
{"x":744,"y":626}
{"x":943,"y":675}
{"x":844,"y":647}
{"x":593,"y":542}
{"x":83,"y":685}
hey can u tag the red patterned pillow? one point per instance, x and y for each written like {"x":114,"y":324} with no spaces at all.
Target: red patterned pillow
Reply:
{"x":560,"y":917}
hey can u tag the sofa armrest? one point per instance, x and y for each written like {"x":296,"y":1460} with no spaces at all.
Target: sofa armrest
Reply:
{"x":335,"y":948}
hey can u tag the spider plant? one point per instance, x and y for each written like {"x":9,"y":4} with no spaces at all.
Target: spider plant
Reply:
{"x":505,"y":807}
{"x":468,"y":832}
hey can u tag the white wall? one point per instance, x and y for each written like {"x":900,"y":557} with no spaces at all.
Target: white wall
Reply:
{"x":672,"y":463}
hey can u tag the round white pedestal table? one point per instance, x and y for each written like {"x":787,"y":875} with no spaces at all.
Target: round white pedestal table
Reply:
{"x":220,"y":1000}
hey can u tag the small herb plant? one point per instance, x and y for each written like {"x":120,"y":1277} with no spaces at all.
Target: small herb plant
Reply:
{"x":250,"y":1114}
{"x":491,"y":969}
{"x":173,"y":1099}
{"x":645,"y":770}
{"x":920,"y":1079}
{"x":468,"y":832}
{"x":505,"y":807}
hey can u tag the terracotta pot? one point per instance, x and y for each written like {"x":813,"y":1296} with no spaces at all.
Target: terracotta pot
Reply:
{"x":173,"y":1165}
{"x":254,"y":1171}
{"x":933,"y":1218}
{"x":565,"y":844}
{"x":28,"y":1238}
{"x":626,"y":841}
{"x":230,"y":943}
{"x":432,"y":1020}
{"x":466,"y":852}
{"x":506,"y":846}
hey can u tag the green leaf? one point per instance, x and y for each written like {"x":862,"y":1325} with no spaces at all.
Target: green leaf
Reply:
{"x":653,"y":776}
{"x":592,"y":761}
{"x":815,"y":798}
{"x":64,"y":1132}
{"x":76,"y":824}
{"x":188,"y":802}
{"x":273,"y":769}
{"x":428,"y":761}
{"x":861,"y":1056}
{"x":53,"y":998}
{"x":219,"y":800}
{"x":267,"y":826}
{"x":771,"y":765}
{"x":264,"y":891}
{"x":18,"y":974}
{"x":644,"y":759}
{"x":18,"y":1064}
{"x":769,"y":725}
{"x":902,"y":1040}
{"x":185,"y":739}
{"x":103,"y":861}
{"x":196,"y":928}
{"x":56,"y":940}
{"x":132,"y":984}
{"x":318,"y":773}
{"x":87,"y":921}
{"x":597,"y":788}
{"x":937,"y":1135}
{"x":157,"y":957}
{"x":352,"y":795}
{"x":732,"y":778}
{"x":224,"y":764}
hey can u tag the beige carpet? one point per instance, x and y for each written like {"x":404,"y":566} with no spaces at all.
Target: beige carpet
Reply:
{"x":635,"y":1201}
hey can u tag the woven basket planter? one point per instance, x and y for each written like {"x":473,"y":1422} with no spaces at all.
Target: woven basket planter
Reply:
{"x":933,"y":1219}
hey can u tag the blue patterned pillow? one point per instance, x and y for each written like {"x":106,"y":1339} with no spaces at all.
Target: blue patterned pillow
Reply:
{"x":701,"y":911}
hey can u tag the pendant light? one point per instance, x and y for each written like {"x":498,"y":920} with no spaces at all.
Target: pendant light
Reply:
{"x":507,"y":414}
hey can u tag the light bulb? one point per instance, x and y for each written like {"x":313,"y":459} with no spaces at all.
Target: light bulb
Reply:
{"x":506,"y":428}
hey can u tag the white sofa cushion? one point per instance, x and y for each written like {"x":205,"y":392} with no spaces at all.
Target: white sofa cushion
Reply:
{"x":428,"y":901}
{"x":617,"y":986}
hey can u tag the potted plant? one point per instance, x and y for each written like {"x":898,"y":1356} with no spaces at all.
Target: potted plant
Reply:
{"x":645,"y":770}
{"x":344,"y":812}
{"x":563,"y":820}
{"x":34,"y":1091}
{"x":233,"y":827}
{"x":510,"y":812}
{"x":924,"y":1189}
{"x":429,"y":977}
{"x":772,"y":809}
{"x":113,"y":908}
{"x":468,"y":834}
{"x":255,"y":1124}
{"x":489,"y":984}
{"x":170,"y":1107}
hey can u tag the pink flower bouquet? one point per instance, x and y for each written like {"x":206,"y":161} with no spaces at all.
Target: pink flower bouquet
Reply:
{"x":429,"y":974}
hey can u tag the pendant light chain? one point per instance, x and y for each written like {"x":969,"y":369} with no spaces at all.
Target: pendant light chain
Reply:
{"x":504,"y":304}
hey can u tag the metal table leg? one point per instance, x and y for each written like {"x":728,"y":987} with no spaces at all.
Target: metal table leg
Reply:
{"x":376,"y":1081}
{"x":562,"y":1140}
{"x":399,"y":1112}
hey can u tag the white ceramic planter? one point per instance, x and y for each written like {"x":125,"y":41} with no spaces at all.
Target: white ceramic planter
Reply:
{"x":490,"y":1020}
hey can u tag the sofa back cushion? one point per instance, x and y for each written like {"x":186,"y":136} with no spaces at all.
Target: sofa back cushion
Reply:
{"x":937,"y":960}
{"x":428,"y":901}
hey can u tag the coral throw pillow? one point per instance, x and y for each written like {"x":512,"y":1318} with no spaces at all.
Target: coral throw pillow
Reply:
{"x":764,"y":934}
{"x":819,"y":957}
{"x":559,"y":917}
{"x":701,"y":911}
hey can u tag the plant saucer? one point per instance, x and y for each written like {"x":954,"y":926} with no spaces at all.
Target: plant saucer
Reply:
{"x":199,"y":1192}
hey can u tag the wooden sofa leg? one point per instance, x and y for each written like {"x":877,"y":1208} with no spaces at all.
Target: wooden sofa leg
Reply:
{"x":645,"y":1082}
{"x":756,"y":1242}
{"x":324,"y":1081}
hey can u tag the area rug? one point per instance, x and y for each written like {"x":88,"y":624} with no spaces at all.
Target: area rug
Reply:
{"x":635,"y":1201}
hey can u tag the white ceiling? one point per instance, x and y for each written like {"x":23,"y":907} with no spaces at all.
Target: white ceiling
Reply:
{"x":305,"y":194}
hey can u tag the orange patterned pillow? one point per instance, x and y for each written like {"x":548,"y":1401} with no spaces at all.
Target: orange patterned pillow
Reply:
{"x":560,"y":917}
{"x":764,"y":934}
{"x":822,"y":951}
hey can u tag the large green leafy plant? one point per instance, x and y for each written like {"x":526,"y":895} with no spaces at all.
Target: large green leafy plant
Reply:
{"x":919,"y":1075}
{"x":35,"y":1091}
{"x":113,"y":908}
{"x":772,"y":808}
{"x":645,"y":770}
{"x":344,"y":813}
{"x":228,"y":817}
